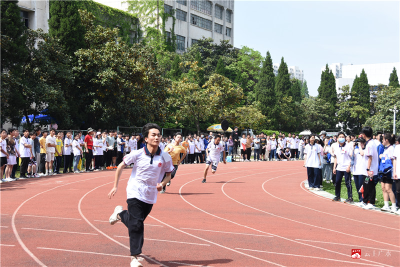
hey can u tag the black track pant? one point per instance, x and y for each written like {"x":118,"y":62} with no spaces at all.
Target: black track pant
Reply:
{"x":88,"y":157}
{"x":67,"y":163}
{"x":133,"y":218}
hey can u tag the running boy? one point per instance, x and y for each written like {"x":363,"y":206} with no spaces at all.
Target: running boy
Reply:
{"x":150,"y":165}
{"x":213,"y":154}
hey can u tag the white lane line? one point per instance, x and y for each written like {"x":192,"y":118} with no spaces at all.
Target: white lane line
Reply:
{"x":4,"y":214}
{"x":5,"y":245}
{"x":59,"y":231}
{"x":48,"y":217}
{"x":171,"y":241}
{"x":248,"y":227}
{"x":24,"y":247}
{"x":187,"y":264}
{"x":315,"y":241}
{"x":312,"y":257}
{"x":3,"y":226}
{"x":86,"y":252}
{"x":305,"y":207}
{"x":233,"y":233}
{"x":146,"y":224}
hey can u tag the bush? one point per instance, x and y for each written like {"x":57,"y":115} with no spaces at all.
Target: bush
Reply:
{"x":270,"y":132}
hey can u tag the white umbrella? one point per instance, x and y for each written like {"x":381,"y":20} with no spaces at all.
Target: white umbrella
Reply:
{"x":306,"y":132}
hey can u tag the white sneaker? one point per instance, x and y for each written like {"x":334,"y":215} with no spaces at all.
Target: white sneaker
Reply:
{"x":393,"y":209}
{"x":135,"y":263}
{"x":76,"y":172}
{"x":369,"y":206}
{"x":169,"y":183}
{"x":1,"y":181}
{"x":114,"y":217}
{"x":328,"y":182}
{"x":317,"y":189}
{"x":397,"y":212}
{"x":385,"y":208}
{"x":162,"y":191}
{"x":9,"y":179}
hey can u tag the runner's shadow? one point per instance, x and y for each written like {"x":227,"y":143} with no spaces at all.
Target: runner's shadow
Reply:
{"x":188,"y":194}
{"x":229,"y":182}
{"x":192,"y":263}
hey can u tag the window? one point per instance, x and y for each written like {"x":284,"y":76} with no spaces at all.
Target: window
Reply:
{"x":204,"y":6}
{"x":182,"y":2}
{"x":168,"y":9}
{"x":25,"y":18}
{"x":218,"y":28}
{"x":194,"y":41}
{"x":201,"y":22}
{"x":180,"y":43}
{"x":168,"y":36}
{"x":228,"y":31}
{"x":181,"y":15}
{"x":218,"y":12}
{"x":229,"y":16}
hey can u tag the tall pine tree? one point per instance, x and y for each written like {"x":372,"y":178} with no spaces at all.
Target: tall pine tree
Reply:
{"x":265,"y":91}
{"x":13,"y":35}
{"x":362,"y":93}
{"x":176,"y":71}
{"x":295,"y":90}
{"x":327,"y":93}
{"x":65,"y":24}
{"x":394,"y":80}
{"x":282,"y":85}
{"x":304,"y":90}
{"x":220,"y":69}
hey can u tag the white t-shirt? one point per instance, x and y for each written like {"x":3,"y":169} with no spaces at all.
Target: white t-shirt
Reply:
{"x":214,"y":151}
{"x":50,"y":140}
{"x":197,"y":148}
{"x":312,"y":151}
{"x":119,"y":144}
{"x":98,"y":149}
{"x":75,"y":149}
{"x":359,"y":167}
{"x":103,"y":139}
{"x":396,"y":155}
{"x":301,"y":144}
{"x":284,"y":141}
{"x":201,"y":144}
{"x":67,"y":149}
{"x":289,"y":142}
{"x":146,"y":173}
{"x":343,"y":157}
{"x":4,"y":147}
{"x":376,"y":141}
{"x":243,"y":142}
{"x":133,"y":144}
{"x":24,"y":151}
{"x":371,"y":150}
{"x":162,"y":146}
{"x":388,"y":153}
{"x":191,"y":147}
{"x":273,"y":144}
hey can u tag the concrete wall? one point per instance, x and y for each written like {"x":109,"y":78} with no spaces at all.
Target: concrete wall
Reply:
{"x":38,"y":13}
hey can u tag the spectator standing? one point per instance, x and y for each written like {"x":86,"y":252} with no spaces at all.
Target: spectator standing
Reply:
{"x":249,"y":143}
{"x":273,"y":144}
{"x":15,"y":135}
{"x":4,"y":155}
{"x":312,"y":162}
{"x":359,"y":167}
{"x":50,"y":151}
{"x":67,"y":153}
{"x":236,"y":140}
{"x":110,"y":149}
{"x":120,"y":148}
{"x":58,"y":154}
{"x":263,"y":146}
{"x":230,"y":146}
{"x":36,"y":145}
{"x":257,"y":147}
{"x":25,"y":151}
{"x":42,"y":142}
{"x":386,"y":174}
{"x":77,"y":150}
{"x":301,"y":149}
{"x":396,"y":172}
{"x":243,"y":142}
{"x":191,"y":150}
{"x":326,"y":163}
{"x":89,"y":148}
{"x":8,"y":148}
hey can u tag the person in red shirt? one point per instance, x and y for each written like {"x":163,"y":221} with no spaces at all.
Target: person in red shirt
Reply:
{"x":89,"y":148}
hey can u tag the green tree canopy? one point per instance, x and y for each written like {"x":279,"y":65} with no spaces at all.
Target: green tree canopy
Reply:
{"x":282,"y":84}
{"x":295,"y":90}
{"x":327,"y":93}
{"x":65,"y":24}
{"x":220,"y":69}
{"x":176,"y":71}
{"x":314,"y":114}
{"x":304,"y":90}
{"x":394,"y":79}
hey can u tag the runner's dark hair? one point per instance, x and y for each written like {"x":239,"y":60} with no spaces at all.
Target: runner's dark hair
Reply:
{"x":146,"y":129}
{"x":177,"y":133}
{"x":339,"y":133}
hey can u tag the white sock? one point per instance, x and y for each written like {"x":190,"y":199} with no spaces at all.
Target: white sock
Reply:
{"x":386,"y":203}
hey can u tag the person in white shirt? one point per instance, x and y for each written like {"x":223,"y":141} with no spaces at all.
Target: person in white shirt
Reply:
{"x":326,"y":163}
{"x":294,"y":147}
{"x":197,"y":150}
{"x":3,"y":153}
{"x":133,"y":143}
{"x":243,"y":142}
{"x":51,"y":144}
{"x":77,"y":150}
{"x":301,"y":149}
{"x":98,"y":151}
{"x":150,"y":165}
{"x":386,"y":182}
{"x":372,"y":160}
{"x":359,"y":168}
{"x":342,"y":168}
{"x":312,"y":162}
{"x":273,"y":145}
{"x":213,"y":153}
{"x":396,"y":172}
{"x":25,"y":151}
{"x":202,"y":149}
{"x":67,"y":152}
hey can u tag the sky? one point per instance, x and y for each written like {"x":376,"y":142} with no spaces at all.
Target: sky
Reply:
{"x":310,"y":34}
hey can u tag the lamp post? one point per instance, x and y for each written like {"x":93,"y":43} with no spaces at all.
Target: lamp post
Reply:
{"x":394,"y":118}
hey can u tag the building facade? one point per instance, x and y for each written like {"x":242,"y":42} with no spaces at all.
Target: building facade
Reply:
{"x":35,"y":14}
{"x":336,"y":69}
{"x":376,"y":73}
{"x":294,"y":71}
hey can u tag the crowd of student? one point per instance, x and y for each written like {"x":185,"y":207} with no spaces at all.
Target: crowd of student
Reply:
{"x":367,"y":159}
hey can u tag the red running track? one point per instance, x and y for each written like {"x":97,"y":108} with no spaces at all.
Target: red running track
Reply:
{"x":247,"y":214}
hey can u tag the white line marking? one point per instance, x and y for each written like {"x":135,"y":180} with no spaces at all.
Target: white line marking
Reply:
{"x":225,"y":232}
{"x":144,"y":224}
{"x":4,"y":214}
{"x":19,"y":207}
{"x":7,"y":245}
{"x":315,"y":241}
{"x":312,"y":257}
{"x":187,"y":264}
{"x":288,"y":239}
{"x":49,"y":230}
{"x":4,"y":226}
{"x":48,"y":217}
{"x":86,"y":252}
{"x":171,"y":241}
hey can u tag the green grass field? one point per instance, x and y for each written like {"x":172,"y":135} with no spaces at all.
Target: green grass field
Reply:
{"x":343,"y":192}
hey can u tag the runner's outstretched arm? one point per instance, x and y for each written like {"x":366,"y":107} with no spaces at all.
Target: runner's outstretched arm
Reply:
{"x":118,"y":173}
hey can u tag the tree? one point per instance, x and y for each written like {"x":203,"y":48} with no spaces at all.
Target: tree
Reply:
{"x":201,"y":79}
{"x":295,"y":90}
{"x":176,"y":71}
{"x":248,"y":117}
{"x":314,"y":114}
{"x":41,"y":85}
{"x":360,"y":102}
{"x":387,"y":98}
{"x":327,"y":93}
{"x":118,"y":77}
{"x":220,"y":69}
{"x":393,"y":79}
{"x":13,"y":37}
{"x":304,"y":90}
{"x":282,"y":84}
{"x":265,"y":91}
{"x":65,"y":24}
